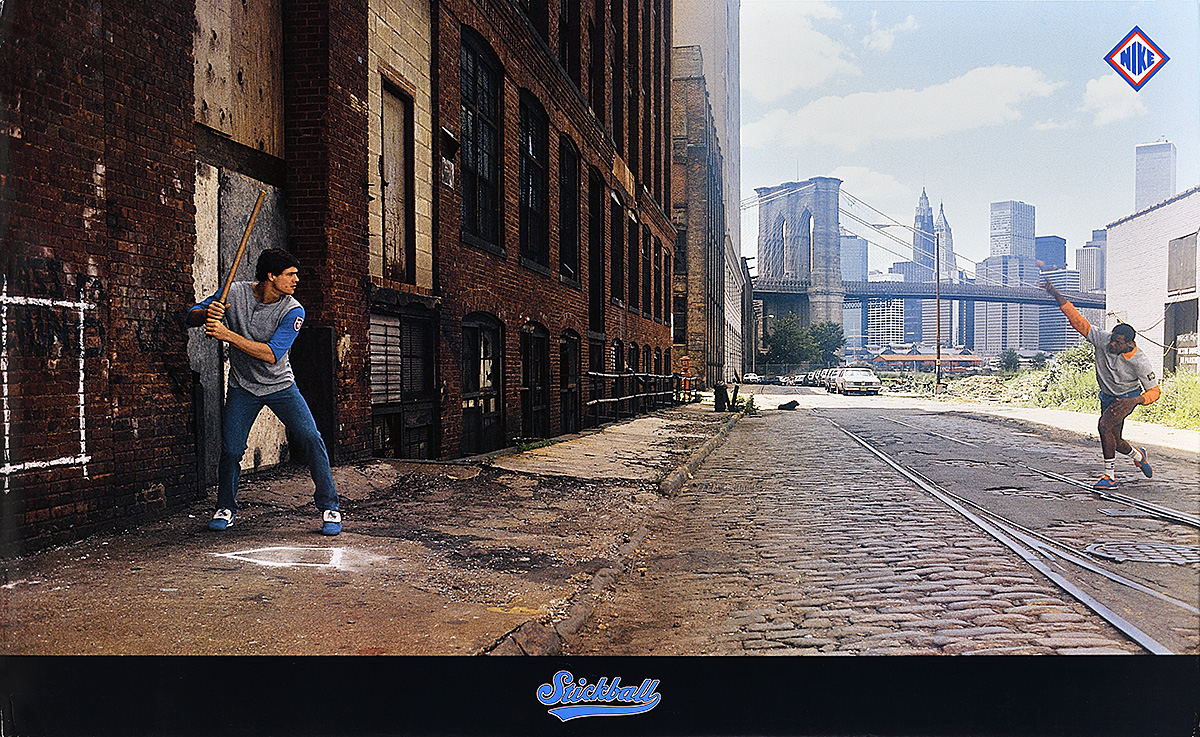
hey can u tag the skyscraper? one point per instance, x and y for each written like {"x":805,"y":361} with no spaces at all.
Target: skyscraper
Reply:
{"x":854,"y":268}
{"x":945,"y":243}
{"x":885,"y":317}
{"x":1000,"y":325}
{"x":1051,"y":250}
{"x":923,"y":234}
{"x":1055,"y":334}
{"x":950,"y":325}
{"x":1089,"y":261}
{"x":1154,"y":173}
{"x":1012,"y":229}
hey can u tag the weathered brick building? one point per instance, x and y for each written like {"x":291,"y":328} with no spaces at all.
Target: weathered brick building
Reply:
{"x":476,"y":190}
{"x":554,"y":247}
{"x":699,"y":213}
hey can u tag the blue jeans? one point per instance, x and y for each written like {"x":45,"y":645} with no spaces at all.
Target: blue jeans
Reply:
{"x":241,"y":409}
{"x":1107,"y":399}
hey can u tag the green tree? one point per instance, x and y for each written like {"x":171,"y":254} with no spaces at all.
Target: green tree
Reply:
{"x":827,"y":340}
{"x":1009,"y":360}
{"x":1039,"y":360}
{"x":787,"y":341}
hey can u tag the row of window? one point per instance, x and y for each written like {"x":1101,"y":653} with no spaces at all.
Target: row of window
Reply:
{"x":640,"y":268}
{"x":635,"y":108}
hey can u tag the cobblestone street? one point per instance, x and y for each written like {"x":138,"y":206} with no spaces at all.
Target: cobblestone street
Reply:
{"x":764,"y":552}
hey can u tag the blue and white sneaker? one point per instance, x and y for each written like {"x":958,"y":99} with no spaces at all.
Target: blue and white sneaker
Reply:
{"x":222,"y":520}
{"x":1105,"y":482}
{"x":1144,"y":464}
{"x":331,"y":522}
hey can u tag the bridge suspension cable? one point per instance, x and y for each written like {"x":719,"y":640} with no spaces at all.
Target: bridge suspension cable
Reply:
{"x":975,"y":274}
{"x":754,"y":201}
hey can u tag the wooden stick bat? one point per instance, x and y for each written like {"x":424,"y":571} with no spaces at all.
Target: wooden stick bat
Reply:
{"x":237,"y":260}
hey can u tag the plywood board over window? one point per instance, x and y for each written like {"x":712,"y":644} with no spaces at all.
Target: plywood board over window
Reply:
{"x":238,"y":80}
{"x":396,"y":173}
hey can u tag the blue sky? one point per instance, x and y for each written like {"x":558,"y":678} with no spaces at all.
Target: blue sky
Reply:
{"x":975,"y":101}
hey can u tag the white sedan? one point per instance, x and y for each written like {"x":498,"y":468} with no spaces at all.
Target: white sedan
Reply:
{"x":859,"y":380}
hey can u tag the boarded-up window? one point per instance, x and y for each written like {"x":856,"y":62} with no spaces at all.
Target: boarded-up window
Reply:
{"x":403,"y":397}
{"x":402,"y":357}
{"x":1181,"y":264}
{"x":396,"y":173}
{"x":386,"y":383}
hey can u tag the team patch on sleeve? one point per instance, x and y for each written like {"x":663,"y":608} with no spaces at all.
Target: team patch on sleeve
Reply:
{"x":1149,"y":376}
{"x":298,"y":323}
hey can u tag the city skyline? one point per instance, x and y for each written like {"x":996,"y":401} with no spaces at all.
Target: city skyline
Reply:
{"x":974,"y":102}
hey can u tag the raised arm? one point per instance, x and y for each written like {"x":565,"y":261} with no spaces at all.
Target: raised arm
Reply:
{"x":1078,"y":321}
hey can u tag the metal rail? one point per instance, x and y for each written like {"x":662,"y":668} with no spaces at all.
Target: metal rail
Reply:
{"x":1164,"y":513}
{"x":1153,"y":510}
{"x":1009,"y":535}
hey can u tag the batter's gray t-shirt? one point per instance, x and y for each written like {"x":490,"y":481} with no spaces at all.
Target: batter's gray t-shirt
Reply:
{"x":277,"y":324}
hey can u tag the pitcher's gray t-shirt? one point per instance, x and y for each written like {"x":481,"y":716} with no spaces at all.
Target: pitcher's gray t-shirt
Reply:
{"x":1118,"y":373}
{"x":275,"y":324}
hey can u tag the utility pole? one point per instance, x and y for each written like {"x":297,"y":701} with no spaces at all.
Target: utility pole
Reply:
{"x":937,"y":265}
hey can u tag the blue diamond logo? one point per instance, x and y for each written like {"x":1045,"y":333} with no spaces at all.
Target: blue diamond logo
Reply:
{"x":1136,"y":58}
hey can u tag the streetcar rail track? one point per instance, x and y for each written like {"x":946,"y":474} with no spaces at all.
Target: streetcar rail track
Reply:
{"x":931,"y":432}
{"x":1017,"y":540}
{"x":1057,"y":549}
{"x":1155,"y":510}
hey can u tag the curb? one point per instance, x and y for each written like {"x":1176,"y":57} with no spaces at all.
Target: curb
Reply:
{"x":535,"y":638}
{"x":675,"y":480}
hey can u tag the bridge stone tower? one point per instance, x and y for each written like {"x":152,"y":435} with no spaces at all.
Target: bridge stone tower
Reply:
{"x":799,"y":250}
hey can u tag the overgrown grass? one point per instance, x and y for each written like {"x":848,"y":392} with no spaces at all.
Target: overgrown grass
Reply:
{"x":1069,"y":382}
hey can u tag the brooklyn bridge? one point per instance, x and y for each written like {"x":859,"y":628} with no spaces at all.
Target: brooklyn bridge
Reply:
{"x":800,"y":269}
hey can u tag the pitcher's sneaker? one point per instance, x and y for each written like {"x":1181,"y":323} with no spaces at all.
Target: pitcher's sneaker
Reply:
{"x":331,"y":522}
{"x":222,"y":520}
{"x":1144,"y":464}
{"x":1105,"y":482}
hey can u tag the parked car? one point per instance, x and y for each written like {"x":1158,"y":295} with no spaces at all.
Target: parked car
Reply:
{"x":858,"y":381}
{"x":752,"y":379}
{"x":831,"y":379}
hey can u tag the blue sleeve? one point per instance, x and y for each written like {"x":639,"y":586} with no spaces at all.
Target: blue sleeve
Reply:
{"x":285,"y":334}
{"x":202,"y":305}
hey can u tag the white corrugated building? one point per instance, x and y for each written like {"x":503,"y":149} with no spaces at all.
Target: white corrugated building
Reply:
{"x":1152,"y":272}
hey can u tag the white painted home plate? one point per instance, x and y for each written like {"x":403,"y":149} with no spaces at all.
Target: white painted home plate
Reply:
{"x":283,"y":557}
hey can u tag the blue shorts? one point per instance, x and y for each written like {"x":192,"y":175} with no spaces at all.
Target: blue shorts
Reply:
{"x":1107,"y":399}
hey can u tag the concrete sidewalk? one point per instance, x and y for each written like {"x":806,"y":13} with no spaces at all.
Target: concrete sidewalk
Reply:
{"x":488,"y":555}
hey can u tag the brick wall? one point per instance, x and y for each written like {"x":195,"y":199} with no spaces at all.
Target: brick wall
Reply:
{"x":96,"y":222}
{"x":325,"y":142}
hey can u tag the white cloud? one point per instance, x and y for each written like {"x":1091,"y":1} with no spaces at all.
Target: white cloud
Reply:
{"x":874,"y":187}
{"x":1055,"y":125}
{"x":1111,"y":99}
{"x":982,"y":97}
{"x":783,"y":52}
{"x":882,"y":39}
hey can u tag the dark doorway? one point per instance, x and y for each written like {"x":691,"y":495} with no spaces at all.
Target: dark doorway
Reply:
{"x":483,"y":427}
{"x":535,"y":381}
{"x":568,"y":381}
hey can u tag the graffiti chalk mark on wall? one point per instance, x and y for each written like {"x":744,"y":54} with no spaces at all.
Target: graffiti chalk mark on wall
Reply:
{"x":82,"y":458}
